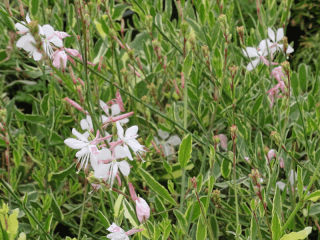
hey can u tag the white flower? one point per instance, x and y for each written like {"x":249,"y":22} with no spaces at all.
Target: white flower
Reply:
{"x":84,"y":145}
{"x":259,"y":54}
{"x":166,"y":144}
{"x":292,"y":180}
{"x":115,"y":110}
{"x":48,"y":35}
{"x":129,"y":139}
{"x":278,"y":38}
{"x":109,"y":171}
{"x":117,"y":233}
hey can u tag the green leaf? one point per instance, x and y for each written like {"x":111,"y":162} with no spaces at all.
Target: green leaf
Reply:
{"x":187,"y":65}
{"x":300,"y":182}
{"x":16,"y":158}
{"x":56,"y":208}
{"x":277,"y":203}
{"x":275,"y":226}
{"x":160,"y":207}
{"x":313,"y":196}
{"x":185,"y":150}
{"x":181,"y":219}
{"x":59,"y":176}
{"x":225,"y":168}
{"x":155,"y":186}
{"x":195,"y":209}
{"x":257,"y":105}
{"x":253,"y":228}
{"x":47,"y":224}
{"x":33,"y":7}
{"x":303,"y":78}
{"x":118,"y":11}
{"x":105,"y":222}
{"x":201,"y":230}
{"x":294,"y":83}
{"x":118,"y":204}
{"x":297,"y":235}
{"x":167,"y":167}
{"x":202,"y":14}
{"x":214,"y":226}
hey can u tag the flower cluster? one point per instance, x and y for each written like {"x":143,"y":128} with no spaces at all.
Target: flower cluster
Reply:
{"x":107,"y":154}
{"x":37,"y":40}
{"x":266,"y":47}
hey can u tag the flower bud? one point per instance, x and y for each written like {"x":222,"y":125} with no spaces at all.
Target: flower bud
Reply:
{"x":216,"y":139}
{"x":275,"y":137}
{"x":216,"y":198}
{"x":184,"y":28}
{"x":282,"y":163}
{"x":33,"y":27}
{"x":205,"y":50}
{"x":285,"y":44}
{"x":149,"y":22}
{"x":233,"y":131}
{"x":224,"y":24}
{"x":286,"y":67}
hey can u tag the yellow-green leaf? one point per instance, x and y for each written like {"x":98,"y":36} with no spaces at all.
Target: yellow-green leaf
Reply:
{"x":297,"y":235}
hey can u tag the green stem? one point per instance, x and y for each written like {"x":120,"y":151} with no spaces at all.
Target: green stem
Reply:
{"x":234,"y":182}
{"x":82,"y":210}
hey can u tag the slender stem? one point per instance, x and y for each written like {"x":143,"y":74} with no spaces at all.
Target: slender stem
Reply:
{"x":234,"y":182}
{"x":82,"y":210}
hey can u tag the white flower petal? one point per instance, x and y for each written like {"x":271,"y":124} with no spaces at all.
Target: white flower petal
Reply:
{"x":48,"y":30}
{"x":115,"y":110}
{"x":79,"y":135}
{"x":124,"y":167}
{"x":290,"y":49}
{"x":82,"y":152}
{"x":135,"y":145}
{"x":102,"y":171}
{"x":120,"y":130}
{"x":75,"y":144}
{"x":22,"y":41}
{"x":156,"y":140}
{"x":164,"y":135}
{"x":104,"y":107}
{"x":28,"y":18}
{"x":253,"y":64}
{"x":115,"y":228}
{"x":271,"y":34}
{"x":84,"y":124}
{"x":167,"y":150}
{"x":37,"y":55}
{"x":292,"y":177}
{"x":120,"y":152}
{"x":252,"y":52}
{"x":174,"y":140}
{"x":281,"y":185}
{"x":56,"y":41}
{"x":126,"y":148}
{"x":105,"y":154}
{"x":124,"y":121}
{"x":21,"y":27}
{"x":280,"y":34}
{"x":131,"y":132}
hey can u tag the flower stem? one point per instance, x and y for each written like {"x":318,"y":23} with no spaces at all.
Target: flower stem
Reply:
{"x":235,"y":183}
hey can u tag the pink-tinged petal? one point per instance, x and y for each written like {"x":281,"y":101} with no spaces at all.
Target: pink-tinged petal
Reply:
{"x":142,"y":209}
{"x":74,"y":143}
{"x":133,"y":231}
{"x":120,"y":130}
{"x":104,"y":107}
{"x":115,"y":110}
{"x":174,"y":140}
{"x":131,"y":132}
{"x":280,"y":34}
{"x":223,"y":141}
{"x":21,"y":27}
{"x":73,"y":52}
{"x":271,"y":154}
{"x":79,"y":135}
{"x":132,"y":192}
{"x":82,"y":152}
{"x":28,"y":18}
{"x":115,"y":229}
{"x":37,"y":55}
{"x":164,"y":135}
{"x":61,"y":35}
{"x":124,"y":167}
{"x":58,"y":57}
{"x":271,"y":34}
{"x":253,"y":64}
{"x":48,"y":30}
{"x":290,"y":49}
{"x":250,"y":52}
{"x":119,"y":101}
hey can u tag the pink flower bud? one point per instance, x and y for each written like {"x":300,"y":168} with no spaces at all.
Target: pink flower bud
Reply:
{"x":142,"y":209}
{"x":182,"y":80}
{"x":155,"y":146}
{"x":282,"y":163}
{"x":176,"y":86}
{"x":81,"y":82}
{"x":132,"y":68}
{"x":122,"y":25}
{"x":100,"y":63}
{"x":119,"y":101}
{"x":72,"y":75}
{"x":133,"y":231}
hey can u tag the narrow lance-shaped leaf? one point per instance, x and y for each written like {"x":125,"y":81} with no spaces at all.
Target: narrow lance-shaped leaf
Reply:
{"x":185,"y":150}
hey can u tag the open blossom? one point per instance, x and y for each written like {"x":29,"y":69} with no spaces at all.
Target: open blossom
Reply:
{"x":60,"y":57}
{"x":110,"y":170}
{"x":273,"y":92}
{"x":115,"y":110}
{"x":276,"y":38}
{"x":278,"y":73}
{"x":259,"y":54}
{"x":129,"y":139}
{"x":271,"y":154}
{"x":166,"y":144}
{"x":142,"y":207}
{"x":117,"y":233}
